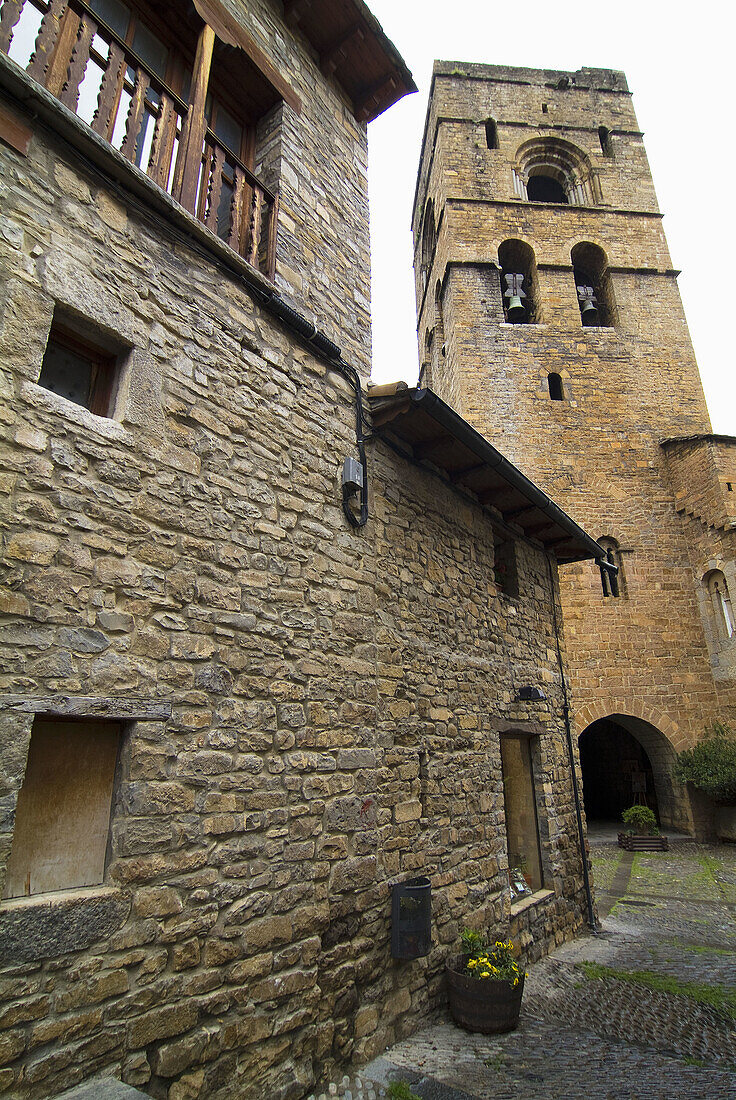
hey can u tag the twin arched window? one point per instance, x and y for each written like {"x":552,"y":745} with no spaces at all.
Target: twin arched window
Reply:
{"x":520,"y":286}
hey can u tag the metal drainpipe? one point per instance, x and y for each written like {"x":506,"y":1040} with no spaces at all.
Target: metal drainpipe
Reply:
{"x":317,"y":341}
{"x":592,"y":923}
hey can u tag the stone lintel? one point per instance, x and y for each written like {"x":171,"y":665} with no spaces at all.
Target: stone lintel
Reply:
{"x":530,"y":727}
{"x":68,"y":706}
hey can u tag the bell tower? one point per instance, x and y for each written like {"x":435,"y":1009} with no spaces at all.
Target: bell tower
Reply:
{"x":549,"y":316}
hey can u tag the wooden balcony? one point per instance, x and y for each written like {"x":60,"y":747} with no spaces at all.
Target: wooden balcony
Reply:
{"x":85,"y":63}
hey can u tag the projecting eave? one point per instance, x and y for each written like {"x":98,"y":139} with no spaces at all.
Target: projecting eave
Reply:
{"x":432,"y":433}
{"x":353,"y":48}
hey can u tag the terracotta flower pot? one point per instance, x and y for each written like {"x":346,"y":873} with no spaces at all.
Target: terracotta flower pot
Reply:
{"x":481,"y":1004}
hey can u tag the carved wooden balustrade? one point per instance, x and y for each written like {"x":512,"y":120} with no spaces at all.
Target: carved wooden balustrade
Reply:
{"x":81,"y":60}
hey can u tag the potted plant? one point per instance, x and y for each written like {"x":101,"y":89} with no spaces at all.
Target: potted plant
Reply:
{"x":485,"y":985}
{"x":711,"y":767}
{"x":642,"y":834}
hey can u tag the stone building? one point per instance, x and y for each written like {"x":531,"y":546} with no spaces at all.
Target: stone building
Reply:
{"x":549,"y":317}
{"x":241,"y":699}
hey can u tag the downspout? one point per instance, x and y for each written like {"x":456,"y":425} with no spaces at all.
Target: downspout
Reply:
{"x":592,"y":923}
{"x":317,"y":342}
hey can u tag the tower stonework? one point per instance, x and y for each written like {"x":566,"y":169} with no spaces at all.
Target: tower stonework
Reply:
{"x":543,"y":175}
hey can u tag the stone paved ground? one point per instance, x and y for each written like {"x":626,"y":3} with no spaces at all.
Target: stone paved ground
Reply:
{"x":671,"y":915}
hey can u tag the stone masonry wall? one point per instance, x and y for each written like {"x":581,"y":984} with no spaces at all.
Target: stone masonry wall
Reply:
{"x":310,"y":711}
{"x":701,"y":471}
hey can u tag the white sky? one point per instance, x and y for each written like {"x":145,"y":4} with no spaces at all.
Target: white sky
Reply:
{"x":679,"y":60}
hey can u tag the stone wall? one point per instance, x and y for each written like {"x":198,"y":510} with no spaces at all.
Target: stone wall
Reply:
{"x":703,"y":477}
{"x":309,"y":712}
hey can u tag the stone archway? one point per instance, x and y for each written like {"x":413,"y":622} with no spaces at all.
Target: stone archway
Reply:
{"x":624,"y":760}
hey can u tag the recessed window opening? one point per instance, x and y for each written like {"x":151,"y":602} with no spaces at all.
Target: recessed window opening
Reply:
{"x":541,"y":188}
{"x":604,"y":136}
{"x":544,"y":108}
{"x":729,"y":487}
{"x":552,"y":169}
{"x":519,"y":284}
{"x":554,"y":383}
{"x":429,"y":242}
{"x":520,"y":810}
{"x":79,"y":369}
{"x":62,"y":818}
{"x":505,"y":567}
{"x":611,"y":579}
{"x":491,"y":133}
{"x":439,"y":349}
{"x":593,"y":286}
{"x":721,"y":601}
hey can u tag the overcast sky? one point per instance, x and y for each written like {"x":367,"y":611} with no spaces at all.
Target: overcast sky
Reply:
{"x":679,"y":60}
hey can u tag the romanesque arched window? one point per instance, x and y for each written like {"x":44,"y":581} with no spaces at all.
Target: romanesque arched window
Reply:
{"x":554,"y":170}
{"x":720,"y":599}
{"x":519,"y":285}
{"x":593,"y":285}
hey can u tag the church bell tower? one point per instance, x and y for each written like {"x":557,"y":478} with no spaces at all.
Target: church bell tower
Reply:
{"x":549,"y":316}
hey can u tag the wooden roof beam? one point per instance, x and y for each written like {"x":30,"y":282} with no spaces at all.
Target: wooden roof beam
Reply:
{"x":517,"y":513}
{"x":534,"y":529}
{"x":465,"y":471}
{"x":424,"y":450}
{"x":294,"y":10}
{"x":373,"y":96}
{"x":336,"y":52}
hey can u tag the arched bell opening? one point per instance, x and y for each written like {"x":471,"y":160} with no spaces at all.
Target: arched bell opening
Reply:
{"x":626,"y":761}
{"x":519,"y":284}
{"x":593,"y":286}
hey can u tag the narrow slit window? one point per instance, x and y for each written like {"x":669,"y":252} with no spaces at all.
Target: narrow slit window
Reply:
{"x":722,"y":607}
{"x":604,"y":136}
{"x":611,"y":568}
{"x":520,"y":810}
{"x":491,"y":133}
{"x":554,"y":383}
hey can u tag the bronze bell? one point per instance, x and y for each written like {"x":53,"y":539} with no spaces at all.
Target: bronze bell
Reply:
{"x":588,"y":307}
{"x":515,"y":310}
{"x":588,"y":312}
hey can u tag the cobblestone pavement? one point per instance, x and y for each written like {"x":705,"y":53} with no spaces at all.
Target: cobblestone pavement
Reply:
{"x":587,"y":1032}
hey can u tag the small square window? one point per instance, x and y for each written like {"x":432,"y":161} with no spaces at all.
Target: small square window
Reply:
{"x":79,"y":370}
{"x":62,"y":818}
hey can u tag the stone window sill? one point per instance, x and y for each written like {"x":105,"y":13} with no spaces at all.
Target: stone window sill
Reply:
{"x":529,"y":903}
{"x":47,"y":925}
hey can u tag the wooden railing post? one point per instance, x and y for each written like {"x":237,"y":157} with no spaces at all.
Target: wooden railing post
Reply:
{"x":189,"y":158}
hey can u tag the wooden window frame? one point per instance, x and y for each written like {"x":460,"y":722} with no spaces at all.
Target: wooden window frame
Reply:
{"x":104,"y":367}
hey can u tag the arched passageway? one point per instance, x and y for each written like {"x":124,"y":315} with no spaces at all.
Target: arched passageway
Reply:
{"x":625,"y":760}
